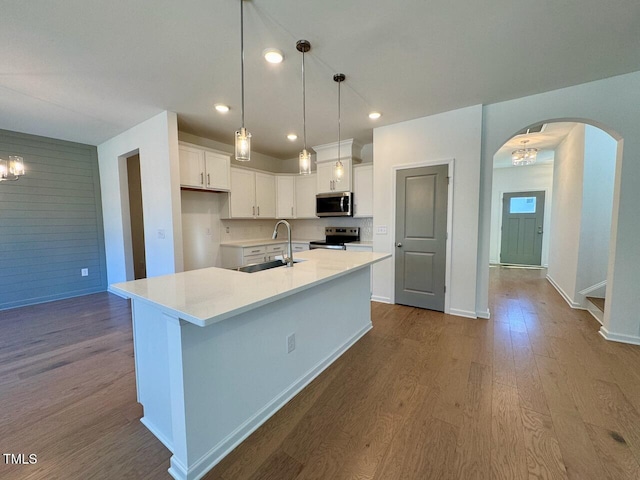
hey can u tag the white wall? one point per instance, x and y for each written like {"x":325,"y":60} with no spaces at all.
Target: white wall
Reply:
{"x":156,"y":140}
{"x":538,"y":177}
{"x":438,"y":138}
{"x":566,"y":212}
{"x":597,"y":204}
{"x":611,"y":104}
{"x":201,"y":229}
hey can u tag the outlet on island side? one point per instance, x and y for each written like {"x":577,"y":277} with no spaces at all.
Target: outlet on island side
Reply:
{"x":84,"y":272}
{"x":291,"y":343}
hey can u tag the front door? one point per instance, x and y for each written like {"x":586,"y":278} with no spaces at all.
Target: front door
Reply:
{"x":421,"y":236}
{"x":522,"y":220}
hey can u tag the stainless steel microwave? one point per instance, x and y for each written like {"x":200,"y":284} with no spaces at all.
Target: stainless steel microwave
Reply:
{"x":339,"y":204}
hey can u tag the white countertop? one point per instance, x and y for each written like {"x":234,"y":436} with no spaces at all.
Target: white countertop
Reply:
{"x":210,"y":295}
{"x":265,"y":241}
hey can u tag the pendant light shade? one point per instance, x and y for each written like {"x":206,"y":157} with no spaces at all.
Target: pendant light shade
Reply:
{"x":304,"y":159}
{"x":12,"y":169}
{"x":243,"y":137}
{"x":338,"y":170}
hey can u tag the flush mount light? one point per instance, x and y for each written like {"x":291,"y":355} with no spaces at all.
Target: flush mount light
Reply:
{"x":221,"y":108}
{"x":273,"y":55}
{"x":375,"y":115}
{"x":292,"y":136}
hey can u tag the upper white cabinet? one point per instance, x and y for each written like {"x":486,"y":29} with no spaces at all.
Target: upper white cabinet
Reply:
{"x":326,"y":180}
{"x":305,"y":194}
{"x":253,"y":195}
{"x":363,"y":190}
{"x":285,"y":196}
{"x":204,"y":169}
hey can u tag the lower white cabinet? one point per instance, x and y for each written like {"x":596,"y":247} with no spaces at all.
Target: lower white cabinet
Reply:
{"x":238,"y":256}
{"x":299,"y":246}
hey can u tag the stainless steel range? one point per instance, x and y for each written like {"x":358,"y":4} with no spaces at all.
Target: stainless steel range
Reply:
{"x":336,"y":237}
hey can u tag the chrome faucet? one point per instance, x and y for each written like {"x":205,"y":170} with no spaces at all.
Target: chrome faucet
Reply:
{"x":289,"y":257}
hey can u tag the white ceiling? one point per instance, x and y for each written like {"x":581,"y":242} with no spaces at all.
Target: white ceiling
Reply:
{"x":545,"y":141}
{"x":86,"y":70}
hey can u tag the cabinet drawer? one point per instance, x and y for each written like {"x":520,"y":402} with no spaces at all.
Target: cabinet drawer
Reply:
{"x":257,"y":258}
{"x":253,"y":250}
{"x":279,"y":247}
{"x":300,"y":247}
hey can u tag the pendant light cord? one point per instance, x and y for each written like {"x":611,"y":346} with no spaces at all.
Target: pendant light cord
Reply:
{"x":304,"y":107}
{"x":339,"y":161}
{"x":242,"y":58}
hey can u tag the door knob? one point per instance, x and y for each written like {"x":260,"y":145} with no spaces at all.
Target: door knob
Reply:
{"x":398,"y":245}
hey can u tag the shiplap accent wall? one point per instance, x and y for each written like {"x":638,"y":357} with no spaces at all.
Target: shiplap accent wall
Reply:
{"x":50,"y":222}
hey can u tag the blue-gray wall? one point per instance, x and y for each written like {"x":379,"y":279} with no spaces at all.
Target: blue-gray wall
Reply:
{"x":50,"y":222}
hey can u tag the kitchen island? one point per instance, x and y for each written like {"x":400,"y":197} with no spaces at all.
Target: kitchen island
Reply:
{"x":217,"y":352}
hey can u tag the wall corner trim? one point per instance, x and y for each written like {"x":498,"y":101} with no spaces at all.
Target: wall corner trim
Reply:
{"x":619,"y":337}
{"x":462,"y":313}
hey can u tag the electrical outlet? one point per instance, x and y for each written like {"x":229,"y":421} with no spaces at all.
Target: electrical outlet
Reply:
{"x":381,"y":230}
{"x":227,"y":229}
{"x":291,"y":343}
{"x":84,"y":272}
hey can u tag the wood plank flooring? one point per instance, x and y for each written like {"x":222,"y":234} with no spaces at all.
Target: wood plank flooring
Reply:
{"x":533,"y":393}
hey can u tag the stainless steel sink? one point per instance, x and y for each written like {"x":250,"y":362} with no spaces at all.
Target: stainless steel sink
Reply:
{"x":258,"y":267}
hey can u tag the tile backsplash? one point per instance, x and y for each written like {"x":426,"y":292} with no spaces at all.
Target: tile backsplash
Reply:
{"x":311,"y":229}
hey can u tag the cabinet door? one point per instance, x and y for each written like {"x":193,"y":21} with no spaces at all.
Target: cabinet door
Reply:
{"x":306,"y":196}
{"x":217,"y":168}
{"x":191,"y":167}
{"x":326,"y":181}
{"x":363,"y":191}
{"x":265,"y":195}
{"x":242,"y":196}
{"x":285,"y":193}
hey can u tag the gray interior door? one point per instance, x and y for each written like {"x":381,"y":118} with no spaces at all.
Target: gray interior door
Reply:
{"x":522,"y":221}
{"x":421,"y":236}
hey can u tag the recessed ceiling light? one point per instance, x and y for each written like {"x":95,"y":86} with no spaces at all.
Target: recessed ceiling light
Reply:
{"x":292,"y":136}
{"x":273,"y":55}
{"x":375,"y":115}
{"x":221,"y":108}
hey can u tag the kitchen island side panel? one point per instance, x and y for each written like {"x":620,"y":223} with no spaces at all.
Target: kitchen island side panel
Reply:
{"x":237,"y":373}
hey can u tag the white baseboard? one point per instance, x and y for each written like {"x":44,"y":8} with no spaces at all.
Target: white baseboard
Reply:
{"x":484,"y":314}
{"x":566,"y":297}
{"x":231,"y":441}
{"x":462,"y":313}
{"x":376,"y":298}
{"x":619,"y":337}
{"x":595,"y":312}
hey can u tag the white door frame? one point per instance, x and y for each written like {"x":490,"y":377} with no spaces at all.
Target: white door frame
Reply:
{"x":447,"y":276}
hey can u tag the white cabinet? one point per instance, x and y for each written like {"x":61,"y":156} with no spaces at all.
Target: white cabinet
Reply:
{"x":285,"y":196}
{"x":237,"y":256}
{"x":204,"y":169}
{"x":265,"y":195}
{"x":363,"y":191}
{"x":326,"y":179}
{"x":299,"y":246}
{"x":253,"y":195}
{"x":305,"y":195}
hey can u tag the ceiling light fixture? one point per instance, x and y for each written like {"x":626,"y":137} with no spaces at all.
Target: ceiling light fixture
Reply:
{"x":524,"y":156}
{"x":273,"y":55}
{"x":11,"y":170}
{"x":221,"y":108}
{"x":338,"y":170}
{"x":243,"y":137}
{"x":292,"y":136}
{"x":375,"y":115}
{"x":304,"y":159}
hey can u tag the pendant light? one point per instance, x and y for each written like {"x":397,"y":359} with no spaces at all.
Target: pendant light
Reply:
{"x":11,"y":170}
{"x":524,"y":156}
{"x":243,"y":137}
{"x":338,"y":170}
{"x":304,"y":159}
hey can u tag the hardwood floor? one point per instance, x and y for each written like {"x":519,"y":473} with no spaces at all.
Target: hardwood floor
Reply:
{"x":534,"y":392}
